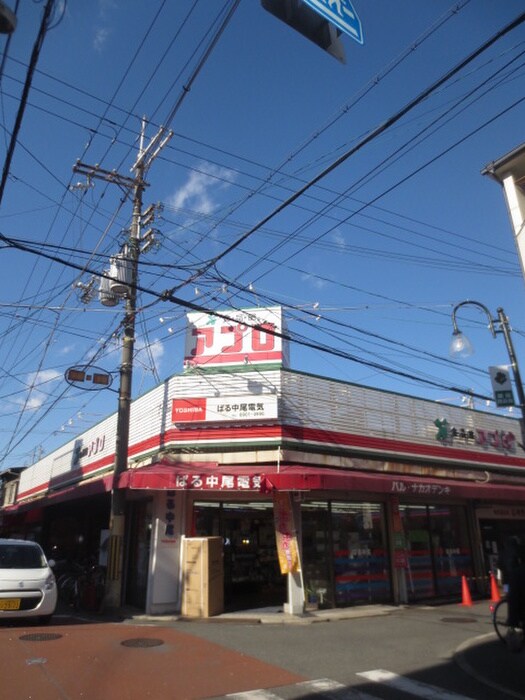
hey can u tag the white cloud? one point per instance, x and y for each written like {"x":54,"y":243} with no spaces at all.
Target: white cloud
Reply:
{"x":103,"y":32}
{"x":313,"y":281}
{"x":201,"y":188}
{"x":43,"y":377}
{"x":101,"y":38}
{"x":339,"y":239}
{"x":153,"y":352}
{"x":156,"y":349}
{"x":105,"y":6}
{"x":39,"y":379}
{"x":66,"y":349}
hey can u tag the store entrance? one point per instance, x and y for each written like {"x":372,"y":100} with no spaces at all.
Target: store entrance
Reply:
{"x":252,"y":577}
{"x":438,"y":550}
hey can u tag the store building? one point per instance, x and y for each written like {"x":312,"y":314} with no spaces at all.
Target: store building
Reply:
{"x":357,"y":495}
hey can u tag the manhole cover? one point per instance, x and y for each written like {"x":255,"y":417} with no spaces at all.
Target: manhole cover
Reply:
{"x":40,"y":637}
{"x":142,"y":642}
{"x":458,"y":619}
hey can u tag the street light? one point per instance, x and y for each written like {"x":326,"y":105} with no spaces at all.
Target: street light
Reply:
{"x":461,"y":345}
{"x":7,"y":19}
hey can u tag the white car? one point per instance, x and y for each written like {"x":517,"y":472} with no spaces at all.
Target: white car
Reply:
{"x":27,"y":584}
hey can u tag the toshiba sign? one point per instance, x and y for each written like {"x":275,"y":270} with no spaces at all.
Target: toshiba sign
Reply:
{"x":222,"y":409}
{"x":186,"y":410}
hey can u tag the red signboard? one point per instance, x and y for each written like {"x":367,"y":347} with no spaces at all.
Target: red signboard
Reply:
{"x":187,"y":410}
{"x":248,"y":336}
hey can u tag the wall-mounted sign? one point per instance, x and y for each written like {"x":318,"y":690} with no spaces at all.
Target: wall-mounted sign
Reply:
{"x":420,"y":488}
{"x":498,"y":439}
{"x":220,"y":409}
{"x":248,"y":338}
{"x":501,"y":512}
{"x":221,"y":482}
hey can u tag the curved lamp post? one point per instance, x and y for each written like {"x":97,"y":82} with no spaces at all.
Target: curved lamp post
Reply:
{"x":460,"y":345}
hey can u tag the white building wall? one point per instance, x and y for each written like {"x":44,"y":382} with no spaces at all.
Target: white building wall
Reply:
{"x":325,"y":404}
{"x":304,"y":400}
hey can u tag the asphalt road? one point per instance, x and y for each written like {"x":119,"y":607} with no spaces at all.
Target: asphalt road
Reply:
{"x":451,"y":648}
{"x":408,"y":652}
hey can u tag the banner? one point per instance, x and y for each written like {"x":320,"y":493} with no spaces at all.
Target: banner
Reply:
{"x":285,"y":533}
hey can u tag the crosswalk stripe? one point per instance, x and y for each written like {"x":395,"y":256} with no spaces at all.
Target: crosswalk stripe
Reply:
{"x":326,"y":685}
{"x":329,"y":689}
{"x":421,"y":690}
{"x":254,"y":695}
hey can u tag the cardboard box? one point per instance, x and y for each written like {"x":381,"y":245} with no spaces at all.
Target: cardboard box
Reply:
{"x":202,"y":577}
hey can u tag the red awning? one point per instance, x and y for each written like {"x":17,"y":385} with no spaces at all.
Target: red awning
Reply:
{"x":295,"y":478}
{"x":266,"y":479}
{"x":207,"y":476}
{"x":70,"y":493}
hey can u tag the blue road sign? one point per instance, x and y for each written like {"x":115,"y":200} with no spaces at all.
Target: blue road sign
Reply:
{"x":342,"y":14}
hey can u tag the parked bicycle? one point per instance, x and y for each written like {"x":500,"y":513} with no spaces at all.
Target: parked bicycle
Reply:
{"x":82,"y":587}
{"x":510,"y":636}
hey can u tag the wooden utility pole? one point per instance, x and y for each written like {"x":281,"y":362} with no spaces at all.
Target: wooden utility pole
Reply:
{"x":137,"y":184}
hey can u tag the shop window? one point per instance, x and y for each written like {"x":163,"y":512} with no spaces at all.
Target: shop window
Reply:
{"x":316,"y":554}
{"x":345,"y":558}
{"x":360,"y":558}
{"x":438,"y":550}
{"x":451,"y":548}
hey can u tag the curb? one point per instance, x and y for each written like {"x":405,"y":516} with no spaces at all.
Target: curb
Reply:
{"x":459,"y":658}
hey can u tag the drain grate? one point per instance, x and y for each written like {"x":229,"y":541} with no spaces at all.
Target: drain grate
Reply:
{"x":458,"y":619}
{"x":40,"y":637}
{"x":142,"y":642}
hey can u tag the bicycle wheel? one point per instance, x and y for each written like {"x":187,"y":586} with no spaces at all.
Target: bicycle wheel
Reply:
{"x":66,"y":588}
{"x":500,"y":616}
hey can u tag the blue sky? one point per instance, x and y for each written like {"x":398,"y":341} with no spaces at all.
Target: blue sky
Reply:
{"x":370,"y":261}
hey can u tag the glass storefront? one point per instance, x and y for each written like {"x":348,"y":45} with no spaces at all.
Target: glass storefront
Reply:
{"x":345,"y":559}
{"x":345,"y":551}
{"x":438,"y":549}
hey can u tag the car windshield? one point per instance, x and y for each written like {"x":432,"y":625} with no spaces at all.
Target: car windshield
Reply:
{"x":20,"y":556}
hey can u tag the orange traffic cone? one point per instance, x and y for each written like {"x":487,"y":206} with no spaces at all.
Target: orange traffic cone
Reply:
{"x":494,"y":592}
{"x":465,"y":593}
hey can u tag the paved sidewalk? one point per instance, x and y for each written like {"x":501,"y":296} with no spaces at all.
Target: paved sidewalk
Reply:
{"x":274,"y":615}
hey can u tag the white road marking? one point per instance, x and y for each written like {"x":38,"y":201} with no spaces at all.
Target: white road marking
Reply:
{"x":326,"y":685}
{"x":254,"y":695}
{"x":406,"y":685}
{"x":328,"y":688}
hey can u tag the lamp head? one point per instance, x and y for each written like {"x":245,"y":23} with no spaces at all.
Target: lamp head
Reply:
{"x":7,"y":19}
{"x":460,"y":346}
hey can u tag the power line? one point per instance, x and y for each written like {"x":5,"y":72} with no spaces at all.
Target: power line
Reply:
{"x":168,"y":296}
{"x":27,"y":86}
{"x":377,"y":131}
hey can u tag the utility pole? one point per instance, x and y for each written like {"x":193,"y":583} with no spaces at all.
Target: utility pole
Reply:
{"x":137,"y":185}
